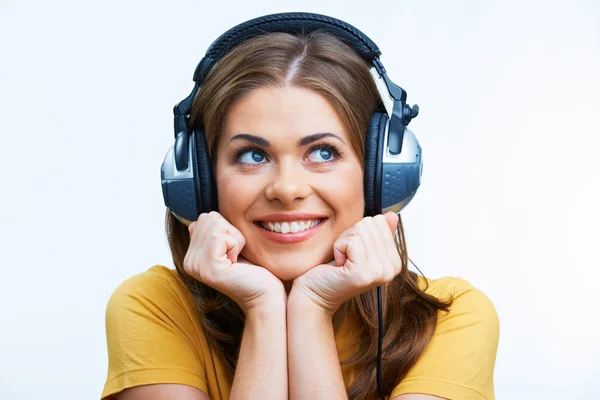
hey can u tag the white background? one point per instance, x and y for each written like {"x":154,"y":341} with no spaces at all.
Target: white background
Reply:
{"x":509,"y":95}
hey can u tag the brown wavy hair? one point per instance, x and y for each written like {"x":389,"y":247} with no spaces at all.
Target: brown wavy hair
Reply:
{"x":324,"y":64}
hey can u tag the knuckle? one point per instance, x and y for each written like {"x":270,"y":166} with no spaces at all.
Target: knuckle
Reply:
{"x":354,"y":241}
{"x":381,"y":222}
{"x":216,"y":217}
{"x":214,"y":237}
{"x":211,"y":243}
{"x":361,"y":240}
{"x":219,"y":222}
{"x":388,"y":276}
{"x":379,"y":218}
{"x":362,"y":279}
{"x":205,"y":274}
{"x":189,"y":266}
{"x":363,"y":222}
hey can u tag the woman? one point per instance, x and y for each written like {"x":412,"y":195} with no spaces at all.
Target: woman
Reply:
{"x":273,"y":296}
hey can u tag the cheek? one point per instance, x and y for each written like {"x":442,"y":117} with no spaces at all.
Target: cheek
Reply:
{"x":346,"y":196}
{"x":235,"y":195}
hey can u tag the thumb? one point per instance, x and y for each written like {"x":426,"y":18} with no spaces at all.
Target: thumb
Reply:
{"x":392,"y":220}
{"x":223,"y":247}
{"x":233,"y":248}
{"x":339,"y":251}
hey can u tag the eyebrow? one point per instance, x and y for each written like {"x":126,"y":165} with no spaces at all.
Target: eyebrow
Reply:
{"x":302,"y":142}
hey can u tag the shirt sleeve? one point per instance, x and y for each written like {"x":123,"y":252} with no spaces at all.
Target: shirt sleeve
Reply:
{"x":150,"y":336}
{"x":459,"y":362}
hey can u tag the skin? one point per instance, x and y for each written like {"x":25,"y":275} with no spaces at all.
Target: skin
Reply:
{"x":285,"y":177}
{"x":288,"y":347}
{"x":291,"y":179}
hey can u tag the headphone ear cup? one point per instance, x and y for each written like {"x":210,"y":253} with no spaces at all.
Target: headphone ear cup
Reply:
{"x":204,"y":177}
{"x":374,"y":147}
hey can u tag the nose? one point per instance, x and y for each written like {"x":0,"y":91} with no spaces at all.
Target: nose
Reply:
{"x":289,"y":181}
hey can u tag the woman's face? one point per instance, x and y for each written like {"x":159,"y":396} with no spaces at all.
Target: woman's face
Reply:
{"x":284,"y":163}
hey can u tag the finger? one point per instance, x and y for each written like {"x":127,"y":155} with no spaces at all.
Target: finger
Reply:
{"x":379,"y":242}
{"x":196,"y":251}
{"x":371,"y":241}
{"x":221,"y":247}
{"x":198,"y":227}
{"x":381,"y":263}
{"x":205,"y":223}
{"x":382,"y":229}
{"x":195,"y":232}
{"x":391,"y":251}
{"x":392,"y":220}
{"x":221,"y":224}
{"x":353,"y":249}
{"x":234,"y":247}
{"x":340,"y":255}
{"x":339,"y":251}
{"x":232,"y":230}
{"x":191,"y":227}
{"x":213,"y":223}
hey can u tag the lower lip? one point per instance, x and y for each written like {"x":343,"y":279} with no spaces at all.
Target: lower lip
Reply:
{"x":290,"y":237}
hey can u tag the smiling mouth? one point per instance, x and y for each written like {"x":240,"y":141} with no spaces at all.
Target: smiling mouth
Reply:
{"x":288,"y":227}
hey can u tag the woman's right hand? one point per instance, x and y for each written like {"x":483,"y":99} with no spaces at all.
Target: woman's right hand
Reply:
{"x":213,"y":259}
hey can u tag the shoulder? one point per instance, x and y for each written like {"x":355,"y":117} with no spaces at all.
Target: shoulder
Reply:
{"x":156,"y":296}
{"x":147,"y":314}
{"x":156,"y":280}
{"x":471,"y":320}
{"x":159,"y":286}
{"x":460,"y":358}
{"x":468,"y":302}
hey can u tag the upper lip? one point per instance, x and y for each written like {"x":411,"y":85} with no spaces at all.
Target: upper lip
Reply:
{"x":290,"y":217}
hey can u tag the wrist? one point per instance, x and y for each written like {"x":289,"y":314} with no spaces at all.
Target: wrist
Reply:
{"x":303,"y":303}
{"x":267,"y":305}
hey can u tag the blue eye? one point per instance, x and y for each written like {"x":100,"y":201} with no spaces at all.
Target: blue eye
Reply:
{"x":249,"y":156}
{"x":320,"y":154}
{"x":323,"y":153}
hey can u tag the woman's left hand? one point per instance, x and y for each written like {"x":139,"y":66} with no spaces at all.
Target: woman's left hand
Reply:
{"x":365,"y":256}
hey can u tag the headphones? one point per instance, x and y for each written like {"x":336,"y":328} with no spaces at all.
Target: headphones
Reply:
{"x":392,"y":164}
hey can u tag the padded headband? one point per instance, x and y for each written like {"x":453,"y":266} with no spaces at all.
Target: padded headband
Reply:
{"x":293,"y":23}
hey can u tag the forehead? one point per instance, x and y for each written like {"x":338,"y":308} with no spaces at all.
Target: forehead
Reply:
{"x":282,"y":113}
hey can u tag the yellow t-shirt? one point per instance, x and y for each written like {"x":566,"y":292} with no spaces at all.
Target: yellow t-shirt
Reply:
{"x":154,"y":336}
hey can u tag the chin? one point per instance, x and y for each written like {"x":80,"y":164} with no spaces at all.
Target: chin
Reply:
{"x":288,"y":267}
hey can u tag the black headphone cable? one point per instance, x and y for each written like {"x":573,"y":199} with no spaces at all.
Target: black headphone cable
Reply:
{"x":379,"y":342}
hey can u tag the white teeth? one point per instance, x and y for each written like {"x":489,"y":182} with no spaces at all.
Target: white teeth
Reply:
{"x":294,"y":227}
{"x":290,"y":227}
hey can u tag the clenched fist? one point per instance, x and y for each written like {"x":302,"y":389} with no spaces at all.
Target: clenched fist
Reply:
{"x":213,"y":258}
{"x":365,"y":256}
